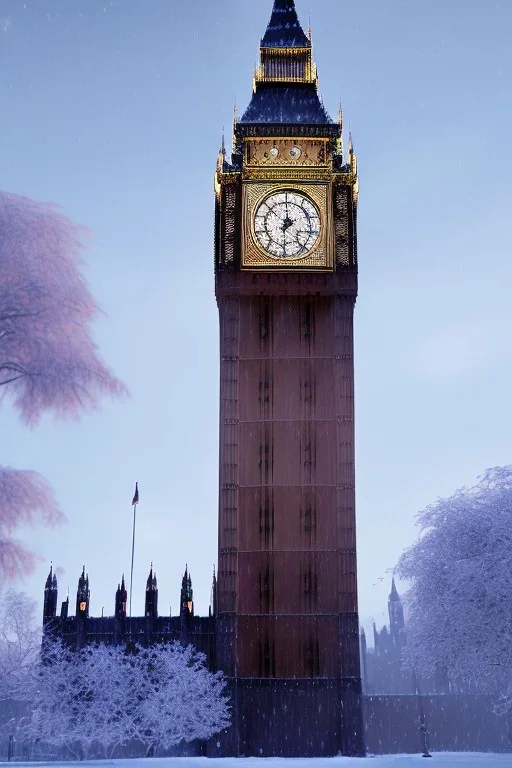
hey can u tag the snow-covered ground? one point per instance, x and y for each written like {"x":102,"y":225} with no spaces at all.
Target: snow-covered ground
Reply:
{"x":440,"y":760}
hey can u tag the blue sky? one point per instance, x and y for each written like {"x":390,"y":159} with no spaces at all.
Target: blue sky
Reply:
{"x":114,"y":110}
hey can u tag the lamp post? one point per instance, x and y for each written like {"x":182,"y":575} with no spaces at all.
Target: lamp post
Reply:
{"x":10,"y":748}
{"x":424,"y":732}
{"x":422,"y":719}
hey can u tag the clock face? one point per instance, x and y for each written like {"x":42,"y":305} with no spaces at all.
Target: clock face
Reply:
{"x":287,"y":225}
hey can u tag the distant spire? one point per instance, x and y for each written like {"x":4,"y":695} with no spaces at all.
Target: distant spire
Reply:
{"x":49,"y":578}
{"x":84,"y":578}
{"x":151,"y":582}
{"x":187,"y":594}
{"x":50,"y":596}
{"x":151,"y":609}
{"x":394,"y":592}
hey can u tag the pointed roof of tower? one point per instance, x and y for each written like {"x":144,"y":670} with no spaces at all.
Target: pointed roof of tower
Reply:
{"x":285,"y":83}
{"x":151,"y":582}
{"x":284,"y":29}
{"x":286,"y":105}
{"x":394,"y":596}
{"x":186,"y":586}
{"x":49,"y":578}
{"x":121,"y":588}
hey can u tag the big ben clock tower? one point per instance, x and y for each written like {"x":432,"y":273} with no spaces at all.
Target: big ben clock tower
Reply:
{"x":286,"y":286}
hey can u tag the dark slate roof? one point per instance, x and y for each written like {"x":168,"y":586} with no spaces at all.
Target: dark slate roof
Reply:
{"x":284,"y":29}
{"x":286,"y":104}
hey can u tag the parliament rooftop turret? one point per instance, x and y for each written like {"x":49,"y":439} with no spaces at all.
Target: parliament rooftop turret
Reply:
{"x":50,"y":597}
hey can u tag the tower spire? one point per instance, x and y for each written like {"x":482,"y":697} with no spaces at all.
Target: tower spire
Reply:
{"x":285,"y":81}
{"x":187,"y":594}
{"x":49,"y":578}
{"x":284,"y":29}
{"x":50,"y":596}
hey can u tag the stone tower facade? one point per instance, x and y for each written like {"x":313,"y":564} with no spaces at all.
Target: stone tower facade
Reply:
{"x":286,"y":286}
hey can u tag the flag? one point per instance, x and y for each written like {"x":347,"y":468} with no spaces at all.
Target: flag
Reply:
{"x":135,"y":499}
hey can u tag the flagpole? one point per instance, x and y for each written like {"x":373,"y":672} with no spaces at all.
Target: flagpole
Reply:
{"x":134,"y":504}
{"x":133,"y":553}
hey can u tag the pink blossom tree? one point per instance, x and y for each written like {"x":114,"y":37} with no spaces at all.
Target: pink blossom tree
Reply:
{"x":48,"y":359}
{"x":25,"y":498}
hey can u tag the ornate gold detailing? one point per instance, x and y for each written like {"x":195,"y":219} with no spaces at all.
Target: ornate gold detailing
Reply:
{"x":286,"y":65}
{"x":288,"y":174}
{"x":280,"y":152}
{"x":253,"y":255}
{"x":350,"y":179}
{"x":225,"y":177}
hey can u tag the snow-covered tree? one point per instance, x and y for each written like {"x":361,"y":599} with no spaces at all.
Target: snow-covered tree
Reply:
{"x":93,"y":701}
{"x":20,"y":642}
{"x":180,"y":700}
{"x":55,"y":705}
{"x":78,"y":700}
{"x":48,"y":359}
{"x":458,"y":605}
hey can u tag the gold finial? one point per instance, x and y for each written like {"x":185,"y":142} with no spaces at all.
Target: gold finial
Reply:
{"x":352,"y":158}
{"x":221,"y":159}
{"x":339,"y":141}
{"x":235,"y":123}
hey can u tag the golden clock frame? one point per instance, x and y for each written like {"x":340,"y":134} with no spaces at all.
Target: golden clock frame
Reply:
{"x":254,"y":257}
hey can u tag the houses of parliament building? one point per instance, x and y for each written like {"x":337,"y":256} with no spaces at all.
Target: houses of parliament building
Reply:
{"x":78,"y":629}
